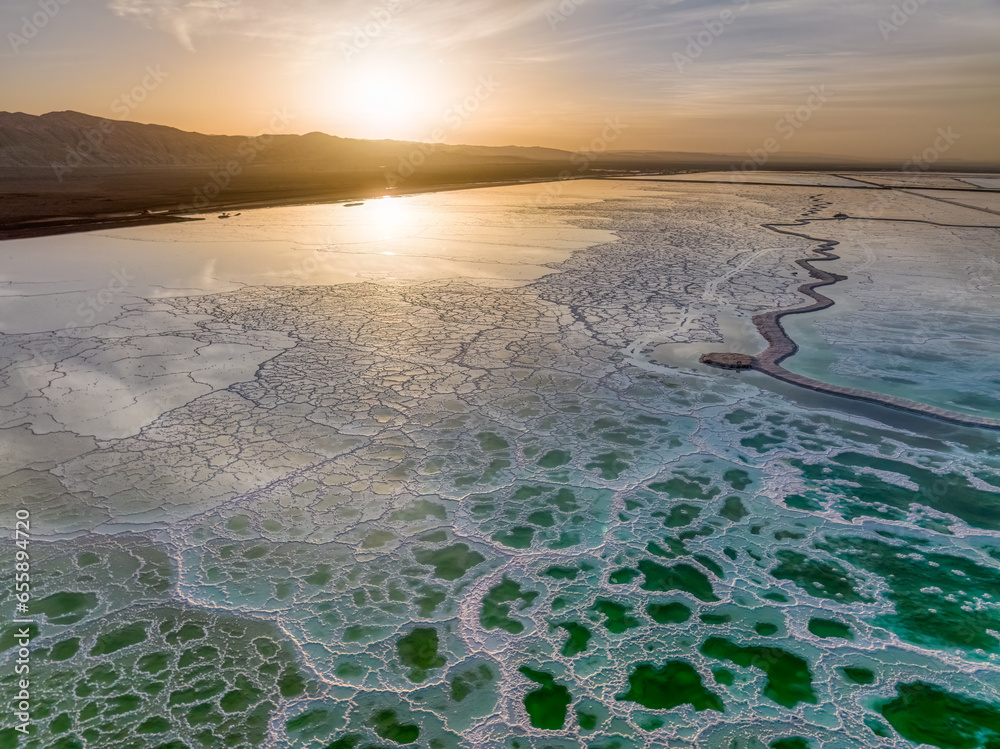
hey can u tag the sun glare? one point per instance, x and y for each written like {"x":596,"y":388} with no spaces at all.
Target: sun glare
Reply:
{"x":394,"y":218}
{"x":387,"y":103}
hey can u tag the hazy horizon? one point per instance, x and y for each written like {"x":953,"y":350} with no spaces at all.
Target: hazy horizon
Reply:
{"x":787,"y":154}
{"x":719,"y":76}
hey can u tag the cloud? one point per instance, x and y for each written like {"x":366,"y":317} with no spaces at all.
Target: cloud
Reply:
{"x":180,"y":18}
{"x":752,"y":58}
{"x":306,"y":25}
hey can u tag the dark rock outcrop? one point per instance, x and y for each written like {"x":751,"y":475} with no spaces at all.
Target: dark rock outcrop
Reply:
{"x":727,"y":360}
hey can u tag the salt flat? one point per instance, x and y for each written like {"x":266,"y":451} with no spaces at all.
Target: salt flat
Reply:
{"x":293,"y":489}
{"x":758,"y":176}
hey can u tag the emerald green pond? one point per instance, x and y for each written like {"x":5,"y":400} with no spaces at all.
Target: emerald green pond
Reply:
{"x":474,"y":507}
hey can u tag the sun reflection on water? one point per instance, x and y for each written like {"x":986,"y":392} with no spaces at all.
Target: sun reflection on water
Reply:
{"x":392,"y":218}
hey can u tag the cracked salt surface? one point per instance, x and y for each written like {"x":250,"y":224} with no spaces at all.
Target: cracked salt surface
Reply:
{"x":457,"y":502}
{"x":97,"y":357}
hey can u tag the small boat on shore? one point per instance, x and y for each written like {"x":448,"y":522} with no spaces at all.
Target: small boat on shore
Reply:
{"x":224,"y":215}
{"x":356,"y":202}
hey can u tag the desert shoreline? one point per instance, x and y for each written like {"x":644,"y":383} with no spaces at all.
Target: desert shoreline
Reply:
{"x":150,"y":209}
{"x":781,"y":345}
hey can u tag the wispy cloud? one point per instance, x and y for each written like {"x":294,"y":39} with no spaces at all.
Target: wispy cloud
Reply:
{"x":603,"y":56}
{"x":307,"y":24}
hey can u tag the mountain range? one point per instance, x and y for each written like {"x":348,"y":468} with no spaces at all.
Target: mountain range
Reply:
{"x":75,"y":139}
{"x":67,"y":171}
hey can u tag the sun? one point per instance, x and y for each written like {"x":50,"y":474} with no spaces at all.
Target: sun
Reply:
{"x":387,"y":103}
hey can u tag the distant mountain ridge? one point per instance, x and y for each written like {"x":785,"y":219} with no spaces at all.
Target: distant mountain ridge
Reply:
{"x":73,"y":139}
{"x":83,"y":140}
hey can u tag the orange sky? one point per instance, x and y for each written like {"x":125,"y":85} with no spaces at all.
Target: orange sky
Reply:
{"x":717,"y":75}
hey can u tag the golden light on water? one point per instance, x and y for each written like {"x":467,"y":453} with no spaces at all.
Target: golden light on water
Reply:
{"x":391,"y":218}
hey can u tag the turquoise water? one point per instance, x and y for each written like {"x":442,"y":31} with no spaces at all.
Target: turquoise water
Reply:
{"x":916,"y":318}
{"x":457,"y":515}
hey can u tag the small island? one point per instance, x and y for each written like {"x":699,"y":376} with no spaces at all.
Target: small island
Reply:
{"x":727,"y":360}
